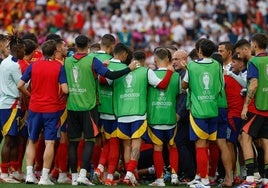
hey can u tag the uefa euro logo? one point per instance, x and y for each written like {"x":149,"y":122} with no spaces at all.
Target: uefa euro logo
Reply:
{"x":206,"y":80}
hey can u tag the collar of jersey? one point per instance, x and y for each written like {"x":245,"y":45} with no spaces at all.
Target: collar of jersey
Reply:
{"x":115,"y":60}
{"x":14,"y":59}
{"x":204,"y":60}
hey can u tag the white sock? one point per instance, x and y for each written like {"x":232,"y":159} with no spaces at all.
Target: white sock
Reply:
{"x":45,"y":172}
{"x":197,"y":177}
{"x":29,"y":170}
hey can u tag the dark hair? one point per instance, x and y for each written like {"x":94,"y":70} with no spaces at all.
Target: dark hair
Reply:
{"x":15,"y":42}
{"x":107,"y":40}
{"x":129,"y":57}
{"x":241,"y":43}
{"x":48,"y":48}
{"x":207,"y":47}
{"x":162,"y":53}
{"x":139,"y":55}
{"x":261,"y":40}
{"x":95,"y":47}
{"x":120,"y":48}
{"x":31,"y":36}
{"x":82,"y":41}
{"x":217,"y":56}
{"x":30,"y":46}
{"x":236,"y":57}
{"x":57,"y":38}
{"x":193,"y":54}
{"x":171,"y":47}
{"x":53,"y":36}
{"x":198,"y":42}
{"x":228,"y":46}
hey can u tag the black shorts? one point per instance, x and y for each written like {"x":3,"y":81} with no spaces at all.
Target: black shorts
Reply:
{"x":79,"y":122}
{"x":256,"y":125}
{"x":95,"y":115}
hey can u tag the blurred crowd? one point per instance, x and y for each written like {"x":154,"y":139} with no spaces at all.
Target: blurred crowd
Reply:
{"x":141,"y":24}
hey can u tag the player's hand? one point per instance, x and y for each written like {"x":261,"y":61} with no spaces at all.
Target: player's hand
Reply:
{"x":170,"y":67}
{"x":106,"y":63}
{"x":244,"y":113}
{"x":183,"y":63}
{"x":133,"y":65}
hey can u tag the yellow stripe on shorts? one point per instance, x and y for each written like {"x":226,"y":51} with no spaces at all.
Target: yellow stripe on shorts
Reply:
{"x":154,"y":138}
{"x":172,"y":140}
{"x":63,"y":117}
{"x":199,"y":132}
{"x":9,"y":122}
{"x":121,"y":135}
{"x":138,"y":133}
{"x":213,"y":136}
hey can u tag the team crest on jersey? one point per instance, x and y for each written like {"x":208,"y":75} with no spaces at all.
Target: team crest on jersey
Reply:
{"x":129,"y":79}
{"x":206,"y":80}
{"x":75,"y":72}
{"x":162,"y":96}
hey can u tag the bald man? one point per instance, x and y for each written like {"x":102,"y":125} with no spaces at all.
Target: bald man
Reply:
{"x":185,"y":147}
{"x":179,"y":60}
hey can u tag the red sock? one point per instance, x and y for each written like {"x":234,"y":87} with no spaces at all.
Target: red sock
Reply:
{"x":174,"y":159}
{"x":96,"y":156}
{"x":62,"y":157}
{"x":113,"y":155}
{"x":80,"y":149}
{"x":202,"y":161}
{"x":40,"y":148}
{"x":13,"y":166}
{"x":4,"y":168}
{"x":213,"y":159}
{"x":55,"y":162}
{"x":132,"y":165}
{"x":158,"y":163}
{"x":104,"y":153}
{"x":21,"y":152}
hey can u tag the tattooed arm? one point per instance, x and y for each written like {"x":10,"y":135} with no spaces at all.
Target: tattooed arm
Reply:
{"x":252,"y":88}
